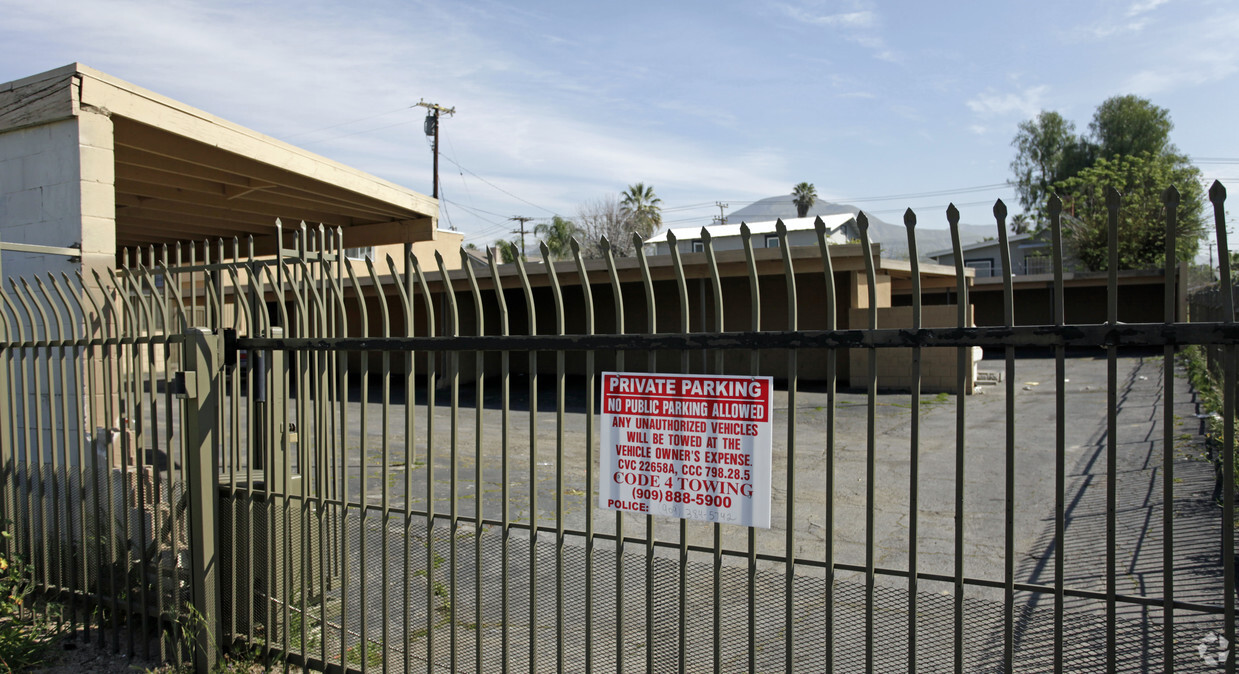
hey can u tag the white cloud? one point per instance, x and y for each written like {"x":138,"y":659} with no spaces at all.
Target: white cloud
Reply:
{"x":1189,"y":55}
{"x":860,"y":19}
{"x":1144,"y":6}
{"x":862,"y":25}
{"x":1024,"y":103}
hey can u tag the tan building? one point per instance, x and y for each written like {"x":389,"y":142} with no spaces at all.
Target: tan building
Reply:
{"x":93,"y":163}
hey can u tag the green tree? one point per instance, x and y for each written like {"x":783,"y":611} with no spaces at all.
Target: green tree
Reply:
{"x":509,"y":251}
{"x":642,"y":209}
{"x":1129,"y":125}
{"x":1141,"y":180}
{"x":1044,"y":146}
{"x":804,"y":195}
{"x":1128,"y":147}
{"x":557,"y":235}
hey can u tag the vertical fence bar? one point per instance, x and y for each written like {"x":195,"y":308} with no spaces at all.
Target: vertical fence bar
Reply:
{"x":961,"y":360}
{"x":385,"y":468}
{"x":746,"y":239}
{"x":173,"y":290}
{"x":531,"y":312}
{"x":331,"y":326}
{"x":617,"y":296}
{"x":793,"y":367}
{"x":1008,"y":306}
{"x":363,"y":489}
{"x":40,"y":561}
{"x":588,"y":302}
{"x":716,"y":528}
{"x":1060,"y":433}
{"x":652,"y":366}
{"x":404,"y":286}
{"x":1171,"y":199}
{"x":61,"y":488}
{"x":99,"y":345}
{"x":1112,"y":384}
{"x":682,"y":584}
{"x":78,"y":335}
{"x":479,"y":404}
{"x":431,"y":386}
{"x":1217,"y":195}
{"x":828,"y":273}
{"x":9,"y":512}
{"x":914,"y":449}
{"x":505,"y":466}
{"x":452,"y":319}
{"x":557,"y":296}
{"x":23,"y":491}
{"x":871,"y":469}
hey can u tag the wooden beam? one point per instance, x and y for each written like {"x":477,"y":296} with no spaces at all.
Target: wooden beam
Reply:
{"x":240,"y":206}
{"x":138,"y":162}
{"x":138,"y":135}
{"x":40,"y":99}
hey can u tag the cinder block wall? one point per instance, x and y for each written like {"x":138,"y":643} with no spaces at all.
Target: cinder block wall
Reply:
{"x":57,"y":188}
{"x":939,"y":365}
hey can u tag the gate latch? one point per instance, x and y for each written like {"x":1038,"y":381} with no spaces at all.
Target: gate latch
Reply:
{"x":185,"y":385}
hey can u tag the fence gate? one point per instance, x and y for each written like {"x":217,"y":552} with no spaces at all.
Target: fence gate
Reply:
{"x":390,"y":465}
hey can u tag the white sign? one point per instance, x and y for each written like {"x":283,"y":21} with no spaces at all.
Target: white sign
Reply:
{"x":689,"y":446}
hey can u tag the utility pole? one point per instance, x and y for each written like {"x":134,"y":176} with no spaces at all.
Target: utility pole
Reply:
{"x":521,"y":231}
{"x":722,"y":217}
{"x":431,"y":127}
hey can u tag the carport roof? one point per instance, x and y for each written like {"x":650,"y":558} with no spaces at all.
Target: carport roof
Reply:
{"x":181,"y":173}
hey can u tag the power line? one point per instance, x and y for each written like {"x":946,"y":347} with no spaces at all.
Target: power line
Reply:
{"x":459,"y":166}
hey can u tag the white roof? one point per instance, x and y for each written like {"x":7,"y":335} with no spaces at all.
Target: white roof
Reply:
{"x":832,"y":223}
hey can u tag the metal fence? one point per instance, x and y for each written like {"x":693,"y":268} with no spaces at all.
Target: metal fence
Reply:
{"x":357,"y":468}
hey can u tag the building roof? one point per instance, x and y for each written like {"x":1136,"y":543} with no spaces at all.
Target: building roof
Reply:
{"x":832,"y":223}
{"x":184,"y":173}
{"x":1013,"y":239}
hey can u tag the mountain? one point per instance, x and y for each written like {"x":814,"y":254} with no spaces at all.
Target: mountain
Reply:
{"x":894,"y":238}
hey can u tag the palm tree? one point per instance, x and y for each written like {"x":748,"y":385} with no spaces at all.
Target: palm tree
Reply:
{"x":804,"y":195}
{"x":557,"y":235}
{"x":642,"y":209}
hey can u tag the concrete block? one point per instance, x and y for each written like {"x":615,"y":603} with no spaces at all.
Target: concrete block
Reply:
{"x":11,"y":178}
{"x":17,"y":144}
{"x":97,"y":199}
{"x":97,"y":165}
{"x":98,"y":235}
{"x":59,"y":202}
{"x":21,"y":208}
{"x":95,"y":130}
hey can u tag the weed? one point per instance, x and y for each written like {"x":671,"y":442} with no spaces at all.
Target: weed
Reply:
{"x":374,"y":654}
{"x":23,"y":640}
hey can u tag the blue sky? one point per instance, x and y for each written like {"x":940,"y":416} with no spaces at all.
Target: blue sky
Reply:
{"x":882,"y":105}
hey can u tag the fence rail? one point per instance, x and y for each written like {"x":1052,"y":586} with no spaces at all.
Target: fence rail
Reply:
{"x":361,"y":468}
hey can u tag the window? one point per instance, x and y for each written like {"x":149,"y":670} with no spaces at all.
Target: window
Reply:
{"x":984,"y":267}
{"x":772,"y":240}
{"x":699,"y":246}
{"x":1038,"y":264}
{"x":366,"y":253}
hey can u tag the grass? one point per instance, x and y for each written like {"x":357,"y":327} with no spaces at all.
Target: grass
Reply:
{"x":1209,"y":389}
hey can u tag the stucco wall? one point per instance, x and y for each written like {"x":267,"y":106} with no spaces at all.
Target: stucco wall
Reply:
{"x":939,"y":365}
